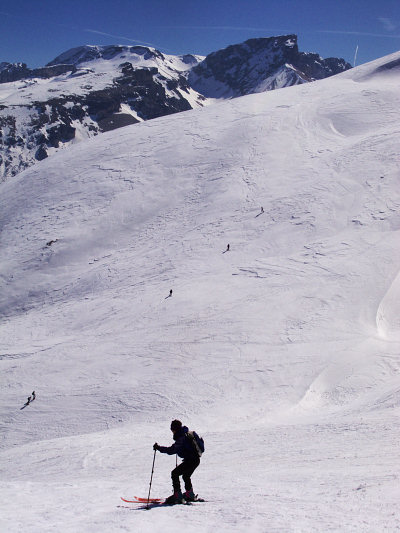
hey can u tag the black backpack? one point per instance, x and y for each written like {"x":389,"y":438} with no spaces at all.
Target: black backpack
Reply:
{"x":197,"y":442}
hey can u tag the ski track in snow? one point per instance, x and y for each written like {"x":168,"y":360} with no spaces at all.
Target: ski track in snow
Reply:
{"x":283,"y":352}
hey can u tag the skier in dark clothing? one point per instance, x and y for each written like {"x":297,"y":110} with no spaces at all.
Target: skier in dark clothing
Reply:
{"x":186,"y":449}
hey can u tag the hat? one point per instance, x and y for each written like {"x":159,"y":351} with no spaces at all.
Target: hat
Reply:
{"x":176,"y":425}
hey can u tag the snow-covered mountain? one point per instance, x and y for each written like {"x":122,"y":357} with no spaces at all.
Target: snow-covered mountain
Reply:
{"x":83,"y":92}
{"x":93,"y":89}
{"x":283,"y":352}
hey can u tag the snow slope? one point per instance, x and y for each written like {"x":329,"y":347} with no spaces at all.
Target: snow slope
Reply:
{"x":283,"y":352}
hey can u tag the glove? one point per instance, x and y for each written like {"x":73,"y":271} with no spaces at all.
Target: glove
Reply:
{"x":156,"y":446}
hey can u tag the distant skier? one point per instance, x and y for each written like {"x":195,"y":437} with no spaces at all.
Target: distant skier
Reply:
{"x":227,"y":249}
{"x":28,"y":401}
{"x":33,"y":396}
{"x":169,"y":295}
{"x":261,"y":212}
{"x":189,"y":446}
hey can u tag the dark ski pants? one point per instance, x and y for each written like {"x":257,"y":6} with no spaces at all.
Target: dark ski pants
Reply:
{"x":185,"y":469}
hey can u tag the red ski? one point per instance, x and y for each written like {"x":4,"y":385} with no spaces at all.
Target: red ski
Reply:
{"x":143,"y":500}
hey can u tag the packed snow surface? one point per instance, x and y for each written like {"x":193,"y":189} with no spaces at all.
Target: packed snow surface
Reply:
{"x":283,"y":352}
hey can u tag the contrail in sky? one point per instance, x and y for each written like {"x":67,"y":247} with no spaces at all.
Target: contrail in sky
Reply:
{"x":89,"y":30}
{"x":117,"y":36}
{"x":339,"y":32}
{"x":355,"y":56}
{"x":233,"y":28}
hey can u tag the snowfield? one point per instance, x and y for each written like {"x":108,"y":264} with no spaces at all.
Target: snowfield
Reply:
{"x":283,"y":352}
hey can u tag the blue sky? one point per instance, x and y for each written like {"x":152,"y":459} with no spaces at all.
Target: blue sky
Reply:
{"x":35,"y":31}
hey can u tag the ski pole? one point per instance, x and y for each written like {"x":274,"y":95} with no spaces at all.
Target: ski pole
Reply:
{"x":151,"y":479}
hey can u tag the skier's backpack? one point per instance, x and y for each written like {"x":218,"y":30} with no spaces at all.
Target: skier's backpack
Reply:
{"x":197,"y":442}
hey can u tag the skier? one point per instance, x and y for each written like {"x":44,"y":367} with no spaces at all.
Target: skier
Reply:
{"x":28,"y":401}
{"x":227,"y":249}
{"x":169,"y":295}
{"x":188,"y":450}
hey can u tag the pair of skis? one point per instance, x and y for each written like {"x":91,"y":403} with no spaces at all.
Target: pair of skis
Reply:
{"x":157,"y":501}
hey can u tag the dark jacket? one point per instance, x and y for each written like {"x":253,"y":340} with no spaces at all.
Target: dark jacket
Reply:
{"x":183,"y":446}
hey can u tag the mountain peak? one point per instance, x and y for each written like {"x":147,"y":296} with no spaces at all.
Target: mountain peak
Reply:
{"x":85,"y":53}
{"x":243,"y":68}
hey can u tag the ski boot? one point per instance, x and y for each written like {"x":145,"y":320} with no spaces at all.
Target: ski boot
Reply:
{"x":189,"y":496}
{"x":176,"y":497}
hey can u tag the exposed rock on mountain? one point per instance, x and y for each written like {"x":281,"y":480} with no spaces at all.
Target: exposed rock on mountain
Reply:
{"x":10,"y":72}
{"x":260,"y":65}
{"x":91,"y":89}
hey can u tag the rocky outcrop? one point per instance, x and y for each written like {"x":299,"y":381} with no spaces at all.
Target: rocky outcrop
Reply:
{"x":10,"y":72}
{"x":254,"y":66}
